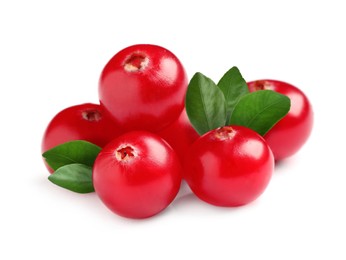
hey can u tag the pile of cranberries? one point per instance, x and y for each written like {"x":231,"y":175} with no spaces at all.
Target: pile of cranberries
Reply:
{"x":149,"y":146}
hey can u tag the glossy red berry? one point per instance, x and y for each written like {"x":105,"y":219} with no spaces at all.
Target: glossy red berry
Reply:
{"x":137,"y":175}
{"x":180,"y":135}
{"x":86,"y":122}
{"x":81,"y":122}
{"x":229,"y":166}
{"x":291,"y":132}
{"x":143,"y":87}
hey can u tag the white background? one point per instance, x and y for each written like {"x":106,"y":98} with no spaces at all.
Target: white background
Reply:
{"x":51,"y":55}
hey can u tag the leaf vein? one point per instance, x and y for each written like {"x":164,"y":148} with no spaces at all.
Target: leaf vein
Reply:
{"x":204,"y":109}
{"x":59,"y":155}
{"x":260,"y":112}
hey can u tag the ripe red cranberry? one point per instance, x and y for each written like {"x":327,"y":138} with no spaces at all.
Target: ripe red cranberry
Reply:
{"x":143,"y":87}
{"x":291,"y":132}
{"x":87,"y":122}
{"x":229,"y":166}
{"x":137,"y":175}
{"x":180,"y":135}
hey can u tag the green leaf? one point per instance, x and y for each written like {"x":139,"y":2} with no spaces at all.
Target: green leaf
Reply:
{"x":72,"y":152}
{"x":205,"y":104}
{"x":233,"y":87}
{"x":260,"y":110}
{"x":75,"y":177}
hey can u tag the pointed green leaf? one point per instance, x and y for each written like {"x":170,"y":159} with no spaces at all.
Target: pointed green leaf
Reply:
{"x":205,"y":104}
{"x":233,"y":87}
{"x":72,"y":152}
{"x":75,"y":177}
{"x":260,"y":110}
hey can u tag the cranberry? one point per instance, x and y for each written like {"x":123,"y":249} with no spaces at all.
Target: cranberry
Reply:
{"x":137,"y":175}
{"x":143,"y":87}
{"x":291,"y":132}
{"x":229,"y":166}
{"x":87,"y":122}
{"x":180,"y":135}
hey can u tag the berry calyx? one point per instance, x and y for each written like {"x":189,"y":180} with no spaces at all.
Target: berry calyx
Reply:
{"x":261,"y":85}
{"x":92,"y":115}
{"x":125,"y":153}
{"x":223,"y":133}
{"x":136,"y":62}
